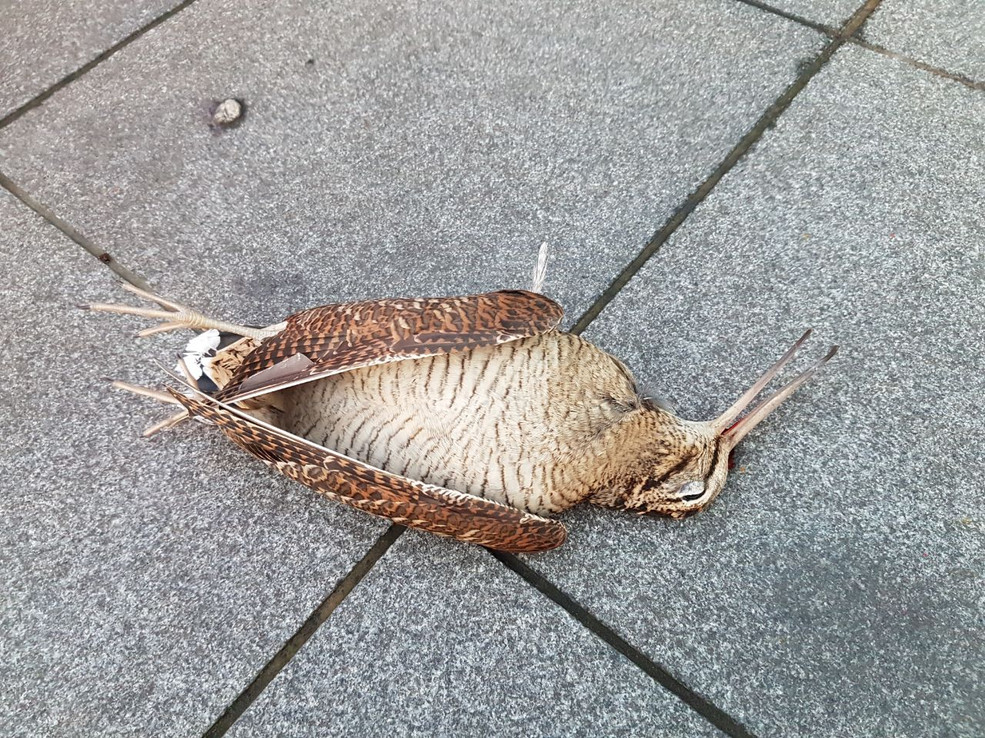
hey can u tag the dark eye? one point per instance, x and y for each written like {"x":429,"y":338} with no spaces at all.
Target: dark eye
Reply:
{"x":691,"y":491}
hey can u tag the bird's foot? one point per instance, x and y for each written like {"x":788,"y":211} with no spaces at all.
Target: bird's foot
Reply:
{"x":174,"y":316}
{"x":158,"y":395}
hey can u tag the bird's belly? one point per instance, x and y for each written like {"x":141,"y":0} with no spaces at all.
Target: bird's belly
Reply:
{"x":486,"y":422}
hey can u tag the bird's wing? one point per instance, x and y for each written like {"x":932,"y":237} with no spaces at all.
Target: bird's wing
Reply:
{"x":336,"y":338}
{"x":402,"y":500}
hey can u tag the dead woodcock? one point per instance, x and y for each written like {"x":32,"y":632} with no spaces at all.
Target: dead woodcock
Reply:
{"x":472,"y":417}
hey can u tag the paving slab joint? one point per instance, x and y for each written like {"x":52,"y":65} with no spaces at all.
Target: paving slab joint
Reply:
{"x":660,"y":674}
{"x":799,"y":19}
{"x":69,"y":78}
{"x":45,"y":212}
{"x":303,"y":634}
{"x":857,"y":40}
{"x":978,"y":85}
{"x":766,"y":121}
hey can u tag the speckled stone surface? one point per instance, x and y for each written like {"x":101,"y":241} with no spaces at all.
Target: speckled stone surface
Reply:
{"x":948,"y":34}
{"x":400,"y":149}
{"x":836,"y":587}
{"x":142,"y":583}
{"x":44,"y":40}
{"x":440,"y":639}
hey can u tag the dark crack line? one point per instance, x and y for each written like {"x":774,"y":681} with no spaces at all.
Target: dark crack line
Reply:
{"x":304,"y":633}
{"x":68,"y":79}
{"x":823,"y":28}
{"x":45,"y":212}
{"x":660,"y":674}
{"x":855,"y":40}
{"x":766,"y":121}
{"x":923,"y":66}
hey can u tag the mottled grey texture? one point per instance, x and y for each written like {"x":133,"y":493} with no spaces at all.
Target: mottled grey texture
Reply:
{"x":440,"y":639}
{"x":44,"y":40}
{"x":142,"y":583}
{"x":836,"y":587}
{"x":945,"y":33}
{"x":426,"y":148}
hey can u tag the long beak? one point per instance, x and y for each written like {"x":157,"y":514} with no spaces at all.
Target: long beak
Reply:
{"x":726,"y":424}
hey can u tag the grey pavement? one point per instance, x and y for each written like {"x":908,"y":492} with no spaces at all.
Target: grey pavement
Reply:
{"x":836,"y":588}
{"x":948,"y":34}
{"x":428,"y":149}
{"x":468,"y":649}
{"x":46,"y":40}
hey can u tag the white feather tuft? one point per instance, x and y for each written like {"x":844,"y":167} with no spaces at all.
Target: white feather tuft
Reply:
{"x":198,"y":353}
{"x":540,"y":271}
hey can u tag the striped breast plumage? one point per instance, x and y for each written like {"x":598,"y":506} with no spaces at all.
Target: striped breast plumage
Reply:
{"x":501,"y":422}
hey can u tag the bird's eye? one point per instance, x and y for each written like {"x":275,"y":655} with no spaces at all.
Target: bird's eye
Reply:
{"x":691,"y":491}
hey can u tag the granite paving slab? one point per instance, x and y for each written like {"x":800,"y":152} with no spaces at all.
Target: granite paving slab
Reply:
{"x":400,"y":149}
{"x":440,"y":639}
{"x":836,"y":587}
{"x":948,"y":34}
{"x":44,"y":40}
{"x":142,"y":583}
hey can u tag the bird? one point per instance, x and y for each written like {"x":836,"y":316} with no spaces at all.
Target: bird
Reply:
{"x":474,"y":417}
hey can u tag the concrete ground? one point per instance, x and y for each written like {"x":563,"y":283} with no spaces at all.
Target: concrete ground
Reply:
{"x":714,"y":176}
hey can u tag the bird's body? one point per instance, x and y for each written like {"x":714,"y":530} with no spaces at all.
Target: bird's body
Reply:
{"x":467,"y":416}
{"x":525,"y":423}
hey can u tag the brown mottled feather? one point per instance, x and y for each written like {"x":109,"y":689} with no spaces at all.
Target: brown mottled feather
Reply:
{"x":405,"y":501}
{"x":335,"y":338}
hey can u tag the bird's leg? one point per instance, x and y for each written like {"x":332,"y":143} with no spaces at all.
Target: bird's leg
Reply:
{"x":176,"y":316}
{"x":155,"y":394}
{"x":168,"y":422}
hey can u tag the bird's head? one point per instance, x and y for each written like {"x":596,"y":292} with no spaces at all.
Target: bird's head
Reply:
{"x":681,"y":466}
